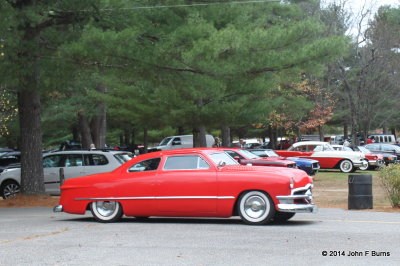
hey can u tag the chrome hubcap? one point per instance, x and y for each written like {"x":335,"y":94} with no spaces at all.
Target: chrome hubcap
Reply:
{"x":346,"y":166}
{"x":11,"y":190}
{"x":106,"y":208}
{"x":255,"y":207}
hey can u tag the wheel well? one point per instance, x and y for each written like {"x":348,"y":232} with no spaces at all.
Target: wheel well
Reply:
{"x":338,"y":164}
{"x":120,"y":204}
{"x":235,"y":206}
{"x":9,"y":180}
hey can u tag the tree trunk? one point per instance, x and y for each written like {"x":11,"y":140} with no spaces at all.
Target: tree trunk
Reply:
{"x":32,"y":180}
{"x":86,"y":137}
{"x":181,"y":131}
{"x":75,"y":133}
{"x":98,"y":124}
{"x":145,"y":141}
{"x":226,"y":136}
{"x":321,"y":133}
{"x":345,"y":130}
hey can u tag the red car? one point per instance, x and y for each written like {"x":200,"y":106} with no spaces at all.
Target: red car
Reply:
{"x":190,"y":183}
{"x":245,"y":157}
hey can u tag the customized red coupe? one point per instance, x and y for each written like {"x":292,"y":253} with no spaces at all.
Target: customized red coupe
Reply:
{"x":190,"y":183}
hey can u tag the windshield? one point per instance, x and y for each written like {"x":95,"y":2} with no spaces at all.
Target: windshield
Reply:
{"x":222,"y":157}
{"x":271,"y":153}
{"x":249,"y":155}
{"x":363,"y":149}
{"x":165,"y":141}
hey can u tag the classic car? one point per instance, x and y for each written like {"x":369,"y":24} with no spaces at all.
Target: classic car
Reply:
{"x":245,"y":157}
{"x":373,"y":160}
{"x":64,"y":164}
{"x":384,"y":148}
{"x":346,"y":161}
{"x":190,"y":183}
{"x":311,"y":167}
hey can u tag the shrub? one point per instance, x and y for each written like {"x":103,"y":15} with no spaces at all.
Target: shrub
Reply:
{"x":390,"y":178}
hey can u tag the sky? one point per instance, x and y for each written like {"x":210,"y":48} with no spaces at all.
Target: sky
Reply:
{"x":356,"y":6}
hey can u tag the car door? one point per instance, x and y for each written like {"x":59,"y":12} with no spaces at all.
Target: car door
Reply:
{"x":187,"y":185}
{"x":71,"y":165}
{"x":51,"y":171}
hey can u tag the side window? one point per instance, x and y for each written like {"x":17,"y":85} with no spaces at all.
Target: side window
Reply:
{"x":176,"y":141}
{"x":318,"y":148}
{"x":192,"y":162}
{"x":95,"y":159}
{"x":234,"y":154}
{"x":74,"y":160}
{"x":52,"y":161}
{"x":147,"y":165}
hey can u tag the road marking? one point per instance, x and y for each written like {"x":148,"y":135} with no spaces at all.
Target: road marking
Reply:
{"x":35,"y":236}
{"x":347,"y":221}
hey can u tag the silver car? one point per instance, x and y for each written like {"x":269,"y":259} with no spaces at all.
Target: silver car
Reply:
{"x":69,"y":164}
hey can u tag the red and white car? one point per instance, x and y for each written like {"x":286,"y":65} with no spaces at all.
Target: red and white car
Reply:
{"x":373,"y":160}
{"x":190,"y":183}
{"x":328,"y":157}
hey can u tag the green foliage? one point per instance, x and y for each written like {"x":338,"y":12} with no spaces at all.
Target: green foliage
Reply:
{"x":390,"y":178}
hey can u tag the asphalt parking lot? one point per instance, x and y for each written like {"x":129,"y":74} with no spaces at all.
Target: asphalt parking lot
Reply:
{"x":36,"y":236}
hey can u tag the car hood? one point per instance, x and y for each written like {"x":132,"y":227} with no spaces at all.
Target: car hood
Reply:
{"x":278,"y":172}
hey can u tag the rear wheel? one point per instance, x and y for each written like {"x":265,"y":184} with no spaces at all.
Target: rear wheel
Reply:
{"x":106,"y":211}
{"x":256,"y":208}
{"x":9,"y":189}
{"x":346,"y":166}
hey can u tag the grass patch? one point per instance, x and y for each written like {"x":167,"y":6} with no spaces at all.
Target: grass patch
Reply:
{"x":331,"y":190}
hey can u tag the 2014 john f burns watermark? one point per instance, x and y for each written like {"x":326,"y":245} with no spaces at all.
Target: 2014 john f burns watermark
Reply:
{"x":354,"y":253}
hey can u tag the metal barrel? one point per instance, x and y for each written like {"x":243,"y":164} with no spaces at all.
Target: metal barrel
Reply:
{"x":360,"y":192}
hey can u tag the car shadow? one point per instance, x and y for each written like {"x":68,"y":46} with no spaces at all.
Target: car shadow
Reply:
{"x":184,"y":220}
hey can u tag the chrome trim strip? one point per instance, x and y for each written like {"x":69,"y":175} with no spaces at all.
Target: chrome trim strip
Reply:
{"x":156,"y":198}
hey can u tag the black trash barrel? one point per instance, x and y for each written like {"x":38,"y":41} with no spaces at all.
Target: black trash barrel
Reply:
{"x":360,"y":192}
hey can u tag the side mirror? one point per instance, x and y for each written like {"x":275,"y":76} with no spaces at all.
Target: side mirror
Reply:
{"x":177,"y":142}
{"x":137,"y":169}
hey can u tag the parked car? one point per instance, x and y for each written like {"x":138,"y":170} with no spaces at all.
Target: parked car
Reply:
{"x":245,"y":157}
{"x":385,"y":148}
{"x":190,"y":183}
{"x":10,"y":159}
{"x":346,"y":161}
{"x":373,"y":160}
{"x":5,"y":150}
{"x":179,"y":142}
{"x":311,"y":167}
{"x":72,"y":163}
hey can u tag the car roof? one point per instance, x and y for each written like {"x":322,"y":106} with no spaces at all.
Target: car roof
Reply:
{"x":87,"y":152}
{"x":309,"y":143}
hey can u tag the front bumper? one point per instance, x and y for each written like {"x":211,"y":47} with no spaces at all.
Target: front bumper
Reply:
{"x":300,"y":200}
{"x":376,"y":162}
{"x":360,"y":163}
{"x":58,"y":208}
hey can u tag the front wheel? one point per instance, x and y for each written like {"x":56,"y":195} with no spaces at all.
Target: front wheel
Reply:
{"x":9,"y":189}
{"x":365,"y":166}
{"x":256,"y":208}
{"x":106,"y":211}
{"x":346,"y":166}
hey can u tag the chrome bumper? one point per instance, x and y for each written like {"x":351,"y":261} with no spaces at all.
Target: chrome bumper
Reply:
{"x":304,"y":201}
{"x":298,"y":208}
{"x":376,"y":162}
{"x":58,"y":208}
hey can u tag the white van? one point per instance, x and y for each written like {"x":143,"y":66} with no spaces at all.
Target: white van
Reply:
{"x":180,"y":142}
{"x":383,"y":138}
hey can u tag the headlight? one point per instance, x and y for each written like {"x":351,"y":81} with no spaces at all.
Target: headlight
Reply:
{"x":292,"y":182}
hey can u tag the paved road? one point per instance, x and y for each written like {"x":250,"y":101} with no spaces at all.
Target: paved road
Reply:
{"x":36,"y":236}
